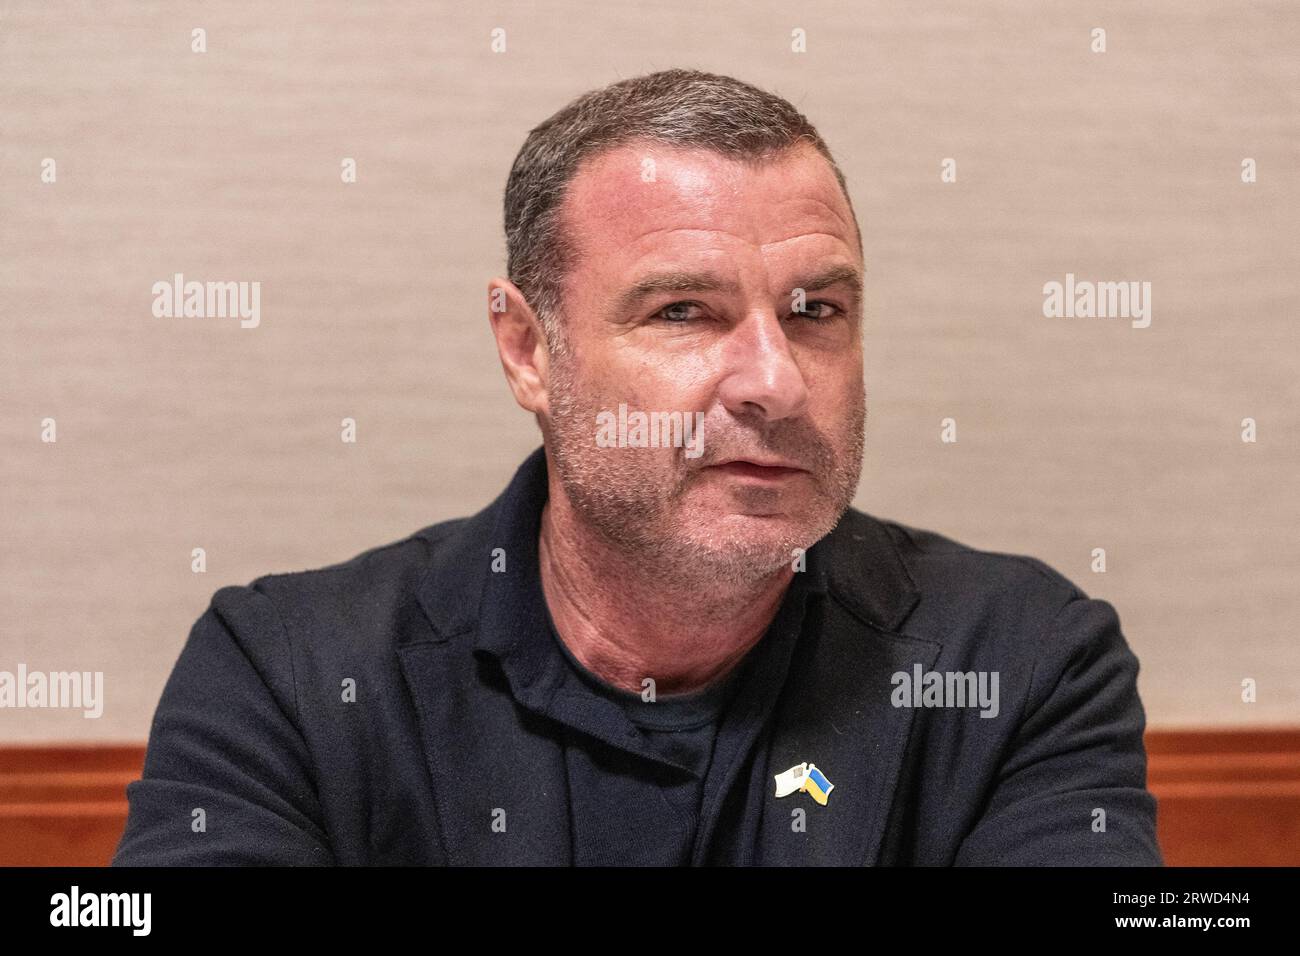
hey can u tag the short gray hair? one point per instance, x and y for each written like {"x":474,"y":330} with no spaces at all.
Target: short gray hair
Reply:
{"x":681,"y":108}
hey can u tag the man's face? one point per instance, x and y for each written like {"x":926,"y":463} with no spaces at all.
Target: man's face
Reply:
{"x":683,"y":300}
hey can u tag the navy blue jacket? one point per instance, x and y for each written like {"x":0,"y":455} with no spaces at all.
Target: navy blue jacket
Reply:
{"x":257,"y":754}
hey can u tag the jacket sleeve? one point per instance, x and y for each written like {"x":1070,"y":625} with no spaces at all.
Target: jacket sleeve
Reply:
{"x":227,"y":778}
{"x":1077,"y":762}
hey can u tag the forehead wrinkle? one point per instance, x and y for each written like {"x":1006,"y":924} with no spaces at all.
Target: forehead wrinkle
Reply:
{"x":802,"y":235}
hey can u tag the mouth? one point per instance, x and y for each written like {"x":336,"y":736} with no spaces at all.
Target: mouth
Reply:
{"x":760,"y":470}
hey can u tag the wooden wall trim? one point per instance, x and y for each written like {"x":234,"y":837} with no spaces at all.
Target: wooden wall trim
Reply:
{"x":64,"y":805}
{"x":1226,"y":798}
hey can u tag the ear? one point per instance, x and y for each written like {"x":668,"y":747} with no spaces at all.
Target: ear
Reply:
{"x":521,"y":344}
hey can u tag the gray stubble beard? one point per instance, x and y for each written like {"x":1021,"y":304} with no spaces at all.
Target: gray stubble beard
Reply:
{"x":610,"y":492}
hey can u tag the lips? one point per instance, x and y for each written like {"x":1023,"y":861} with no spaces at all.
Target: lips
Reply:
{"x":758,"y":468}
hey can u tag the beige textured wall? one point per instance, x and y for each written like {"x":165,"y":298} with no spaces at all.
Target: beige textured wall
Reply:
{"x":1072,"y":434}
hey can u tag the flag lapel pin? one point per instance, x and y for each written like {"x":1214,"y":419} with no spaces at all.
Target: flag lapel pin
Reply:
{"x":792,"y":780}
{"x":816,"y":785}
{"x":806,"y":777}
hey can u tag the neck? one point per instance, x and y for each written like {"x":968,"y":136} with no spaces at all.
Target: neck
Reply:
{"x":681,"y":632}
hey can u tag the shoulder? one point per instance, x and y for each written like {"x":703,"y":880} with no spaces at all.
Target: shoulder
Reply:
{"x":378,"y":571}
{"x":348,"y":606}
{"x":940,"y":562}
{"x":964,"y":592}
{"x":1008,"y":611}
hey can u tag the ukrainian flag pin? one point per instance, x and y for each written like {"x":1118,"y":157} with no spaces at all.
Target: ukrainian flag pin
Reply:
{"x":816,"y":785}
{"x":806,"y":777}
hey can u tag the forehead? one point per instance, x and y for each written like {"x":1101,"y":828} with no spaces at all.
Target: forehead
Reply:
{"x":647,"y":200}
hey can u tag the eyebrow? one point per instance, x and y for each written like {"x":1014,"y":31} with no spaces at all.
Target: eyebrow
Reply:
{"x":680,"y":281}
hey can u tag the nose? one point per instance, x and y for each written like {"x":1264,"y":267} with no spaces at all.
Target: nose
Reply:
{"x":762,"y":378}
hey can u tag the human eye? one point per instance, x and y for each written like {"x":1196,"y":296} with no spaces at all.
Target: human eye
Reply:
{"x":813,"y":311}
{"x":676,"y":312}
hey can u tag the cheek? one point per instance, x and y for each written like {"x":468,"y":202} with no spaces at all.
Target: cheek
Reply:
{"x":835,"y":397}
{"x":665,"y":382}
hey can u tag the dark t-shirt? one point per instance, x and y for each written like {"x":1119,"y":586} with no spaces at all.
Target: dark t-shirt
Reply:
{"x":629,"y":810}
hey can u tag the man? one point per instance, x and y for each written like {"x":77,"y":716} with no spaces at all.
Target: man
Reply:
{"x":670,"y":641}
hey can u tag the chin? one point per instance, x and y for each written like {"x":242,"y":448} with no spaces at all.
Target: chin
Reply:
{"x":732,"y":567}
{"x":748,"y":545}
